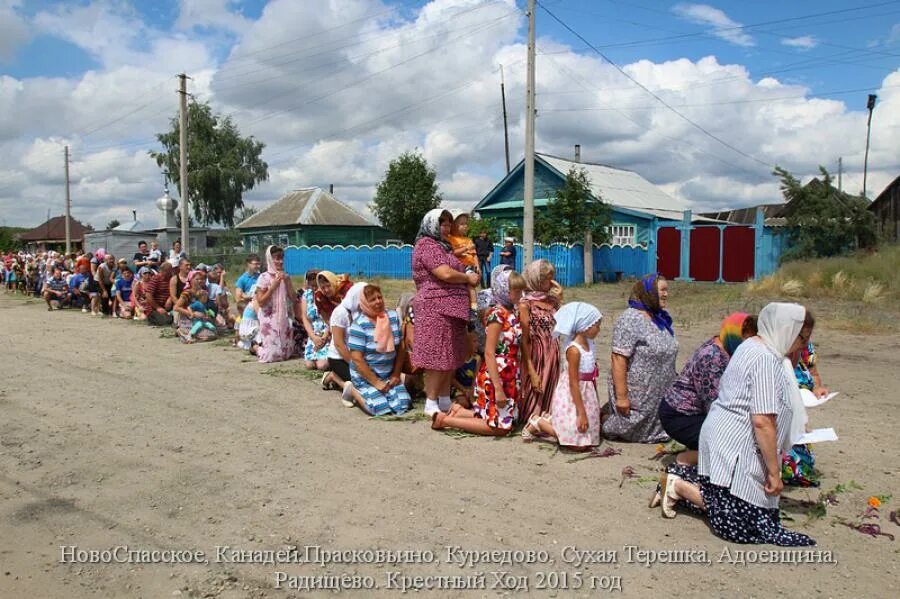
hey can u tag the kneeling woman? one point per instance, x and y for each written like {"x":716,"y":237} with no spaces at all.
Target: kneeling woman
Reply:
{"x":497,"y":384}
{"x":377,"y":356}
{"x":757,"y":415}
{"x":686,"y":403}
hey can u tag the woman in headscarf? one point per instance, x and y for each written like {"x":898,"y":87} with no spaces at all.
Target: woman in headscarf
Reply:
{"x":330,"y":291}
{"x":685,"y":405}
{"x":441,"y":307}
{"x":339,"y":357}
{"x":276,"y":297}
{"x":185,"y":315}
{"x":644,"y":348}
{"x":497,"y":384}
{"x":759,"y":414}
{"x":375,"y":349}
{"x":318,"y":335}
{"x":540,"y":348}
{"x":574,"y":419}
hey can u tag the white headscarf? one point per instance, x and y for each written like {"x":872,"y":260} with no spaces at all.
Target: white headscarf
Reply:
{"x":574,"y":318}
{"x":350,"y":303}
{"x":779,"y":324}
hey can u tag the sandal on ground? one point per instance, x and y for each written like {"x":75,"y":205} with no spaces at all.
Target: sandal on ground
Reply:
{"x":326,"y":384}
{"x":670,"y":498}
{"x":657,"y":497}
{"x":437,"y":420}
{"x":531,"y":430}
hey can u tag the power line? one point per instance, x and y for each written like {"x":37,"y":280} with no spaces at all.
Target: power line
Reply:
{"x":729,"y":102}
{"x":653,"y":95}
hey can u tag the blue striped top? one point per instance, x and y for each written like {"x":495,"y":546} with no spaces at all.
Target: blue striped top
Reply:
{"x":361,"y":337}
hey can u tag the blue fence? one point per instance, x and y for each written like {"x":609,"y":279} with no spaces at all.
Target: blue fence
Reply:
{"x":396,"y":261}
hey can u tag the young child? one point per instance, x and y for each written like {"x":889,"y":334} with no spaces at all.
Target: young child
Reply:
{"x":200,"y":322}
{"x":575,"y":408}
{"x":247,"y":326}
{"x":464,"y":249}
{"x":155,"y":257}
{"x":497,"y":383}
{"x":464,"y":378}
{"x":123,"y":293}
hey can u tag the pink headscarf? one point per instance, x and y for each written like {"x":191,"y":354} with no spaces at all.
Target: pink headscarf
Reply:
{"x":384,"y":336}
{"x":279,"y":299}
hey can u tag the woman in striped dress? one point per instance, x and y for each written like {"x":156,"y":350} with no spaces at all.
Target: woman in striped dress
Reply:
{"x":758,"y":415}
{"x":377,"y":356}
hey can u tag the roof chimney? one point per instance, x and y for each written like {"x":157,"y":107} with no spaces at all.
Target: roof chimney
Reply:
{"x":577,"y":152}
{"x":331,"y":188}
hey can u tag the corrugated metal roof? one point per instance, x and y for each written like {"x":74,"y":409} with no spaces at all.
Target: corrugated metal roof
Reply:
{"x":309,"y":206}
{"x":620,"y":187}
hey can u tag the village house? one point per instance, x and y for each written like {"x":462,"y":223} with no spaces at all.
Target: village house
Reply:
{"x":309,"y":216}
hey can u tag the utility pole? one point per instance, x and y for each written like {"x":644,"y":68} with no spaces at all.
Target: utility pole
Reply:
{"x":68,"y":208}
{"x":505,"y":128}
{"x":182,"y":162}
{"x":870,"y":104}
{"x":840,"y":173}
{"x":528,"y":203}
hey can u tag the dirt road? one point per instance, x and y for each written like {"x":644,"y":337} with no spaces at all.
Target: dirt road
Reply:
{"x":112,"y":436}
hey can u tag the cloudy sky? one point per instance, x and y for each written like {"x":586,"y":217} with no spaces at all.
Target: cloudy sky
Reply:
{"x":337,"y":88}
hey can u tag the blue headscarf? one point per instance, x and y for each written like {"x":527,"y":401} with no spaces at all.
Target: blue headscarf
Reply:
{"x":645,"y":297}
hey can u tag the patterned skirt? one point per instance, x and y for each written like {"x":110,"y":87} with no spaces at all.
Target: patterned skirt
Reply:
{"x":733,"y":519}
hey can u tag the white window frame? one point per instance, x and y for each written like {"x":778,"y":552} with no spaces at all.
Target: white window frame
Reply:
{"x":284,"y":240}
{"x":622,"y":234}
{"x":254,"y":244}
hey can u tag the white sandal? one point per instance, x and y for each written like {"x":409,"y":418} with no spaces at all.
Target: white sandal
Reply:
{"x":669,"y":497}
{"x":528,"y":435}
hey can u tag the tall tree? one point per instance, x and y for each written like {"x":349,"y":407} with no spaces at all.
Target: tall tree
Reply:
{"x":222,"y":165}
{"x":823,"y":221}
{"x":573,"y":212}
{"x":112,"y":224}
{"x":406,"y":193}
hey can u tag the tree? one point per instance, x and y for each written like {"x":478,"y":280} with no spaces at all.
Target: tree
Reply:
{"x":823,"y":221}
{"x":222,"y":165}
{"x":405,"y":194}
{"x":477,"y":225}
{"x":245,"y":213}
{"x":112,"y":224}
{"x":573,"y":212}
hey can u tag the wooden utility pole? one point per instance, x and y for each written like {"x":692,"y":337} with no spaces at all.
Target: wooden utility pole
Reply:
{"x":182,"y":163}
{"x":528,"y":203}
{"x":68,"y":208}
{"x":505,"y":127}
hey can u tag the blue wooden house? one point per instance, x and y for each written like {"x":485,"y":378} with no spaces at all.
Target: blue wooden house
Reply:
{"x":635,"y":201}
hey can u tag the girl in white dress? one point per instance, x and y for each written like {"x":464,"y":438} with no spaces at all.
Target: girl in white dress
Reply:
{"x":574,"y":419}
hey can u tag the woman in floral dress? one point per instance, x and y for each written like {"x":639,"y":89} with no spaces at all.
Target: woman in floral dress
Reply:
{"x":315,"y":353}
{"x":497,"y":383}
{"x":276,"y":297}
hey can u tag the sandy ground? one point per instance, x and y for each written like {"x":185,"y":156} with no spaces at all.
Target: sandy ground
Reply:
{"x":111,"y":435}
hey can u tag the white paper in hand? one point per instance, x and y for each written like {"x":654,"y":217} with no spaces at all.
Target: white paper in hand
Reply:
{"x":811,"y":401}
{"x":817,"y":436}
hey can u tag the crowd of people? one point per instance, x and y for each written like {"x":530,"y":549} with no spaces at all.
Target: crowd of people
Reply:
{"x":493,"y":351}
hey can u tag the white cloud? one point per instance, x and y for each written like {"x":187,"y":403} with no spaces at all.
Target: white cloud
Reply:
{"x":13,"y":29}
{"x":336,"y":93}
{"x":894,"y":35}
{"x":804,"y":42}
{"x":211,"y":13}
{"x":723,"y":26}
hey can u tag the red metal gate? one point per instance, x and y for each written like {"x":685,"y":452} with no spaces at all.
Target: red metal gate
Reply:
{"x":705,"y":254}
{"x":668,"y":252}
{"x":739,"y":254}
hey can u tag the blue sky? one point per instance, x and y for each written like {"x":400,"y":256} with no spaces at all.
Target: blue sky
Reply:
{"x":781,"y":82}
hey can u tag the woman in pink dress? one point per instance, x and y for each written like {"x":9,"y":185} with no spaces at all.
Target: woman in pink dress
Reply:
{"x":441,"y":306}
{"x":276,"y":297}
{"x":574,"y":418}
